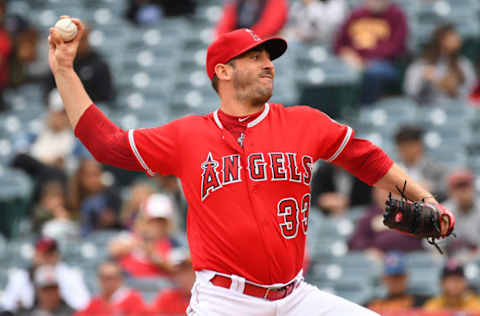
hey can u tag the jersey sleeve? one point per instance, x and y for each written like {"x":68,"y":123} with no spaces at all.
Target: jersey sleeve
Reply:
{"x":157,"y":149}
{"x":331,"y":137}
{"x":364,"y":160}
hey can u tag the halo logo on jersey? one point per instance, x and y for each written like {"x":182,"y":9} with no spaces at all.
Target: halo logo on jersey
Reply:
{"x":275,"y":166}
{"x":210,"y":181}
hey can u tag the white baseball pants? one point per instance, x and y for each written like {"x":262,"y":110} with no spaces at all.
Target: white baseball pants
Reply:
{"x":306,"y":300}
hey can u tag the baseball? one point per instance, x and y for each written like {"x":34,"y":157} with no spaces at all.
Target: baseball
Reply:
{"x":67,"y":29}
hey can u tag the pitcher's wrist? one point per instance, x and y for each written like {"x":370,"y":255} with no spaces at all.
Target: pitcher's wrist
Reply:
{"x":64,"y":72}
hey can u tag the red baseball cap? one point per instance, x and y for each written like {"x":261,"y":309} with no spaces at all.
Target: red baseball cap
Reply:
{"x":460,"y":177}
{"x":233,"y":44}
{"x":46,"y":244}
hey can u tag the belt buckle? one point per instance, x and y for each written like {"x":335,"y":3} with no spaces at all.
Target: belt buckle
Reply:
{"x":287,"y":288}
{"x":271,"y":289}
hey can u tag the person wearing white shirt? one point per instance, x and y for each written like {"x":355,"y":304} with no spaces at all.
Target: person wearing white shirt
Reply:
{"x":316,"y":20}
{"x":20,"y":290}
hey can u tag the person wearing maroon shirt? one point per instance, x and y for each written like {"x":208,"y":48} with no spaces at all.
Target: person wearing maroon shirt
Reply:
{"x":265,"y":17}
{"x":115,"y":298}
{"x":174,"y":301}
{"x":374,"y":237}
{"x":371,"y":38}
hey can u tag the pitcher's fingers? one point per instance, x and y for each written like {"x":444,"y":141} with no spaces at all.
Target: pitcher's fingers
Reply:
{"x":50,"y":42}
{"x":64,"y":17}
{"x":80,"y":26}
{"x":57,"y":39}
{"x":50,"y":39}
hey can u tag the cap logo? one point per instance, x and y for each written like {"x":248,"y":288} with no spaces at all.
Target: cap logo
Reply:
{"x":255,"y":37}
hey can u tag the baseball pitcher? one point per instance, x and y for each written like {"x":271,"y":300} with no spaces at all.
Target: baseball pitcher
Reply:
{"x":246,"y":170}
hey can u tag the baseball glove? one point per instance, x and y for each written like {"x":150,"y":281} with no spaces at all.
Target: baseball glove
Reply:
{"x":419,"y":219}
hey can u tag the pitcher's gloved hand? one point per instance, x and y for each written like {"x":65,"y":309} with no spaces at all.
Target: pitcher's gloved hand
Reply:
{"x":419,"y":219}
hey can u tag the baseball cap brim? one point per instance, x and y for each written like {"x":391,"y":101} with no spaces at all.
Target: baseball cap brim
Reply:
{"x":275,"y":46}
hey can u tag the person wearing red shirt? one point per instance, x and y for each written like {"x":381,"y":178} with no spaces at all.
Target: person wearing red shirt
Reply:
{"x":115,"y":298}
{"x":246,"y":171}
{"x":265,"y":17}
{"x":148,"y":250}
{"x":174,"y":301}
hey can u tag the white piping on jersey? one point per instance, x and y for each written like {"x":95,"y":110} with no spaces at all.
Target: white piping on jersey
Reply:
{"x":131,"y":140}
{"x":252,"y":123}
{"x":217,"y":120}
{"x":260,"y":117}
{"x":342,"y":146}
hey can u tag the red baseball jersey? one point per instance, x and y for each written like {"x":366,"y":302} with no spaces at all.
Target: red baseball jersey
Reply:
{"x":137,"y":264}
{"x":248,"y":205}
{"x":170,"y":302}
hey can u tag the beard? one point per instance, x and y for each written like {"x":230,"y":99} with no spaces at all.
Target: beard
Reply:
{"x":248,"y":89}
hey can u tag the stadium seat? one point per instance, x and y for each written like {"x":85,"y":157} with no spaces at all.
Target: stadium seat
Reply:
{"x":15,"y":190}
{"x":424,"y":281}
{"x":360,"y":263}
{"x":101,"y":238}
{"x":356,"y":291}
{"x":20,"y":252}
{"x":148,"y":286}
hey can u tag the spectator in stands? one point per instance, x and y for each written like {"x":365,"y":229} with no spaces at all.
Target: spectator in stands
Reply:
{"x":395,"y":279}
{"x":313,"y":21}
{"x":131,"y":209}
{"x":455,"y":293}
{"x":56,"y":131}
{"x":370,"y":40}
{"x":149,"y":12}
{"x":29,"y":60}
{"x":265,"y":17}
{"x":374,"y":237}
{"x":36,"y":155}
{"x":411,"y":150}
{"x":149,"y":249}
{"x":20,"y":292}
{"x":441,"y":74}
{"x":98,"y":202}
{"x":93,"y":71}
{"x":48,"y":301}
{"x":5,"y":54}
{"x":334,"y":190}
{"x":465,"y":205}
{"x":174,"y":301}
{"x":51,"y":216}
{"x":115,"y":298}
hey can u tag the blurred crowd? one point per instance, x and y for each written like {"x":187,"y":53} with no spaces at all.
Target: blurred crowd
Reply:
{"x":74,"y":196}
{"x":372,"y":38}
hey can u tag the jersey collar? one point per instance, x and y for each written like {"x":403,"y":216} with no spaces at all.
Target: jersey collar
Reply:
{"x":251,"y":124}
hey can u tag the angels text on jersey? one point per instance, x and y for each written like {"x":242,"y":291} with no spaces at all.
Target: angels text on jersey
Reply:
{"x":274,"y":166}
